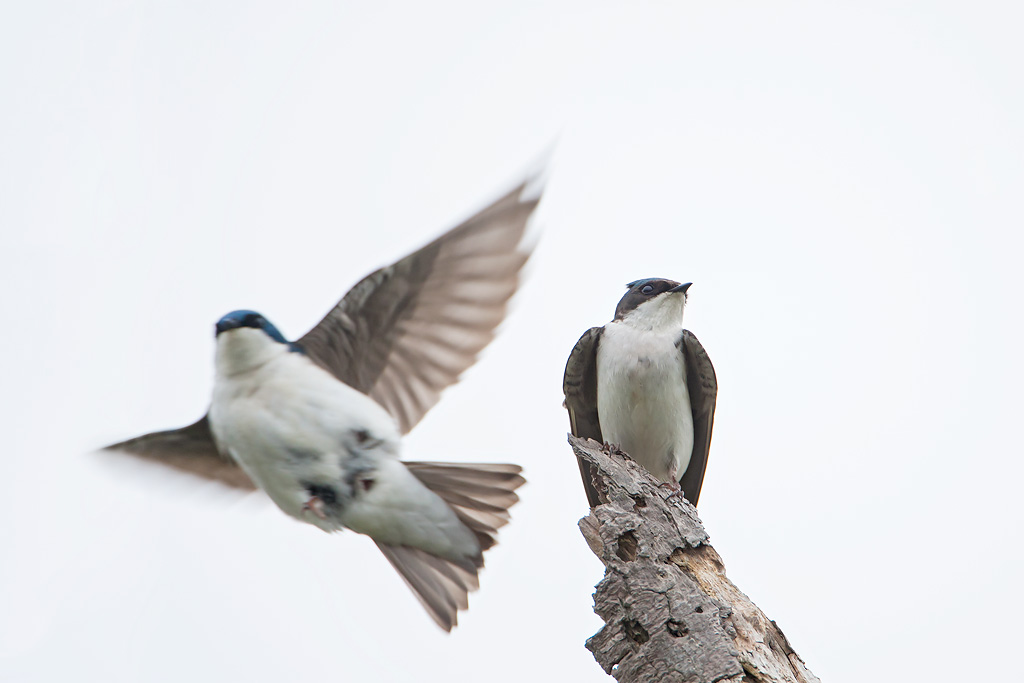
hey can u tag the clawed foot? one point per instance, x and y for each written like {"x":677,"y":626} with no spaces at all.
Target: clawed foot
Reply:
{"x":675,"y":489}
{"x":610,"y":448}
{"x":316,"y":506}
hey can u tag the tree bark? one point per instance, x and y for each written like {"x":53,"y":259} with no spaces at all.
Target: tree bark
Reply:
{"x":670,"y":613}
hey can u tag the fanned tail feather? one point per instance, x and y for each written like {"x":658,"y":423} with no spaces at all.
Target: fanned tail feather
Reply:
{"x":480,"y":495}
{"x":441,"y":586}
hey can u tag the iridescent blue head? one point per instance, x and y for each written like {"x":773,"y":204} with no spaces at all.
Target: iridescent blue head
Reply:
{"x":243,"y":318}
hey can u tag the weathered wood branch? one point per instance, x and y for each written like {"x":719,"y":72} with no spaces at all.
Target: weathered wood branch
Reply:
{"x":670,"y":612}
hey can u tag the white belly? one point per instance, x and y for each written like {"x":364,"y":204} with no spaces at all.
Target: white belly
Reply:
{"x":642,"y":401}
{"x":289,"y":425}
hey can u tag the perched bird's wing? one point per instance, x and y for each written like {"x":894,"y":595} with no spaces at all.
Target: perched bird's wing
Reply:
{"x":407,"y":331}
{"x":190,"y":449}
{"x":702,"y":386}
{"x":580,"y":388}
{"x":480,"y":495}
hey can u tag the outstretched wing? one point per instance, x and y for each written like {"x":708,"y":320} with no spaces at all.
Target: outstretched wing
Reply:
{"x":407,"y":331}
{"x":401,"y":335}
{"x":189,"y":449}
{"x":702,"y":386}
{"x":580,"y":388}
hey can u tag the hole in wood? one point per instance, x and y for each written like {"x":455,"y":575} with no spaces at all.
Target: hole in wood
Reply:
{"x":676,"y":629}
{"x":635,"y":631}
{"x":625,"y":546}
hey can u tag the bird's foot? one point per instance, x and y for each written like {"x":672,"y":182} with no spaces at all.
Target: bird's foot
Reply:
{"x":676,"y":491}
{"x":316,"y":506}
{"x":611,"y":448}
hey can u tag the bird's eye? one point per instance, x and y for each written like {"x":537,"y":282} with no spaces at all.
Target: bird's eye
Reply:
{"x":647,"y":289}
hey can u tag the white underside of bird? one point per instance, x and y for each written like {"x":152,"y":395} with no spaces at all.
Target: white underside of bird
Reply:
{"x":642,"y":401}
{"x":324,"y":452}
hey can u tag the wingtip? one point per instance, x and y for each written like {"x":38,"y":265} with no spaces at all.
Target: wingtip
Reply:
{"x":534,"y":185}
{"x":538,"y":172}
{"x":536,"y":175}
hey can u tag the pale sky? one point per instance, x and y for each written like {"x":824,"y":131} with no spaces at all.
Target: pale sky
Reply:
{"x":841,"y":183}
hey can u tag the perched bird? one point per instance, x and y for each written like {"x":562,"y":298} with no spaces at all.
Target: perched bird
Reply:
{"x":647,"y":386}
{"x":317,"y":423}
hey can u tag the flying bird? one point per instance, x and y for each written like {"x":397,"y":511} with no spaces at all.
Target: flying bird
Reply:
{"x":647,"y":386}
{"x":317,"y":423}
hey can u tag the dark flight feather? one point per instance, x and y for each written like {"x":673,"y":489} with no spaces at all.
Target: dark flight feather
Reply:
{"x":579,"y":384}
{"x":407,"y":331}
{"x":702,"y":385}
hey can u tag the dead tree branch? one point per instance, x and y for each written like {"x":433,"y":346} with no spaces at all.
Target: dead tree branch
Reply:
{"x":670,"y":613}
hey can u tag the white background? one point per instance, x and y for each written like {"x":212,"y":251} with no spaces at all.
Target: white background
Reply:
{"x":842,"y":184}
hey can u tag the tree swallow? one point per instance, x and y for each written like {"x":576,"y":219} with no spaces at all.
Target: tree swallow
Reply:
{"x":317,"y":423}
{"x":643,"y":383}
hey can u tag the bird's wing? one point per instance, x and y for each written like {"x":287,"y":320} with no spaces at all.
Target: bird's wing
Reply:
{"x":189,"y":449}
{"x":702,"y":386}
{"x":580,"y":388}
{"x":408,"y":330}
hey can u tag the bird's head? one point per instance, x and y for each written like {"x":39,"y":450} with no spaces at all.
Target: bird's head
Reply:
{"x":236,"y":320}
{"x":246,"y":339}
{"x":653,"y":303}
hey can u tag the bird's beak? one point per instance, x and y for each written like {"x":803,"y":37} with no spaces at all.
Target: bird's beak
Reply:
{"x":681,"y":288}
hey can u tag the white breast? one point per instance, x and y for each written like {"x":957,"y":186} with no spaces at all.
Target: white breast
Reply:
{"x":642,"y":401}
{"x":288,"y":421}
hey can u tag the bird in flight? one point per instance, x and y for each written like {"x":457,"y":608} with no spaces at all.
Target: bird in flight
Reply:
{"x":317,"y":423}
{"x":646,"y":385}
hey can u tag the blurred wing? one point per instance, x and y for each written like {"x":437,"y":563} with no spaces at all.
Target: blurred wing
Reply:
{"x":408,"y":330}
{"x":189,"y":449}
{"x":580,"y":388}
{"x":702,"y":386}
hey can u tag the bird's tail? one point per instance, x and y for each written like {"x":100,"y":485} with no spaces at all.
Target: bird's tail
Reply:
{"x":480,"y":495}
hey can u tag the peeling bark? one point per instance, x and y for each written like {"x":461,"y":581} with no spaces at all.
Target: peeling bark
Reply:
{"x":670,"y":613}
